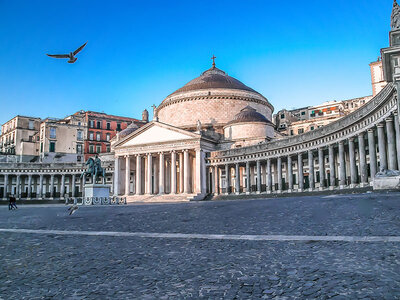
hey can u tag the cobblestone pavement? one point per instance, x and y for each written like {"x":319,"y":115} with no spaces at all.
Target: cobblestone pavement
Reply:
{"x":50,"y":266}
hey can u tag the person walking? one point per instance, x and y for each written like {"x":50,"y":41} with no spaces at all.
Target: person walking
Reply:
{"x":12,"y":203}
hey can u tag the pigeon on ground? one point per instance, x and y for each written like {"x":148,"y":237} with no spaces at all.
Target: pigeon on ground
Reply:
{"x":72,"y":209}
{"x":71,"y":55}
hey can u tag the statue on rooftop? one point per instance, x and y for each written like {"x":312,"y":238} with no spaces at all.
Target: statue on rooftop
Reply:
{"x":395,"y":22}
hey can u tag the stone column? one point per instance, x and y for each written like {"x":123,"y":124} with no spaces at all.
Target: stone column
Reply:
{"x":321,"y":168}
{"x":52,"y":186}
{"x":237,"y":179}
{"x":138,"y":175}
{"x":342,"y":166}
{"x":5,"y":186}
{"x":332,"y":176}
{"x":363,"y":160}
{"x":18,"y":186}
{"x":116,"y":175}
{"x":216,"y":180}
{"x":372,"y":153}
{"x":173,"y":172}
{"x":161,"y":173}
{"x":149,"y":179}
{"x":41,"y":186}
{"x":279,"y":169}
{"x":311,"y":170}
{"x":382,"y":147}
{"x":258,"y":177}
{"x":199,"y":171}
{"x":290,"y":173}
{"x":29,"y":186}
{"x":353,"y":167}
{"x":73,"y":185}
{"x":269,"y":176}
{"x":248,"y":185}
{"x":181,"y":175}
{"x":186,"y":172}
{"x":127,"y":174}
{"x":300,"y":171}
{"x":62,"y":191}
{"x":391,"y":141}
{"x":227,"y":177}
{"x":397,"y":130}
{"x":203,"y":171}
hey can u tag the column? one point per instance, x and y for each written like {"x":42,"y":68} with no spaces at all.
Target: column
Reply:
{"x":41,"y":186}
{"x":161,"y":173}
{"x":332,"y":177}
{"x":181,"y":175}
{"x":391,"y":141}
{"x":138,"y":175}
{"x":228,"y":180}
{"x":269,"y":176}
{"x":149,"y":179}
{"x":362,"y":160}
{"x":258,"y":177}
{"x":372,"y":153}
{"x":127,"y":174}
{"x":342,"y":166}
{"x":311,"y":170}
{"x":216,"y":181}
{"x":62,"y":191}
{"x":300,"y":171}
{"x":203,"y":172}
{"x":29,"y":186}
{"x":116,"y":176}
{"x":52,"y":186}
{"x":290,"y":173}
{"x":173,"y":172}
{"x":382,"y":148}
{"x":18,"y":186}
{"x":321,"y":168}
{"x":237,"y":179}
{"x":73,"y":185}
{"x":199,"y":172}
{"x":186,"y":172}
{"x":397,"y":130}
{"x":353,"y":167}
{"x":5,"y":185}
{"x":279,"y":167}
{"x":248,"y":185}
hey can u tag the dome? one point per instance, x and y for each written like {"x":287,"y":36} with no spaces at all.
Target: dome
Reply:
{"x":248,"y":114}
{"x":128,"y":130}
{"x":213,"y":78}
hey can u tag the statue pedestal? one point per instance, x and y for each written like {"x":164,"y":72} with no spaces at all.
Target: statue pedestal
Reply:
{"x":386,"y":183}
{"x":97,"y":190}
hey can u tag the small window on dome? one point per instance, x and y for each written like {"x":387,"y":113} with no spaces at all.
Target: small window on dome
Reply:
{"x":209,"y":93}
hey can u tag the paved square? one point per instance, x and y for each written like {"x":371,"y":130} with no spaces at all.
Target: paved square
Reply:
{"x":272,"y":248}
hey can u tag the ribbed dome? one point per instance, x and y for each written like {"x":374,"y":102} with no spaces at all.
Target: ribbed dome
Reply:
{"x":213,"y":78}
{"x":248,"y":114}
{"x":128,"y":130}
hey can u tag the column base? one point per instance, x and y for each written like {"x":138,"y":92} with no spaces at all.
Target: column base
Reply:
{"x":311,"y":189}
{"x":341,"y":187}
{"x":300,"y":190}
{"x":247,"y":193}
{"x":331,"y":188}
{"x":364,"y":184}
{"x":237,"y":193}
{"x":258,"y":192}
{"x":353,"y":185}
{"x":269,"y":192}
{"x":289,"y":190}
{"x":279,"y":191}
{"x":321,"y":188}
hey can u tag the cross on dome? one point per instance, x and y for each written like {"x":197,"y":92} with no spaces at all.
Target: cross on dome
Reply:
{"x":213,"y":59}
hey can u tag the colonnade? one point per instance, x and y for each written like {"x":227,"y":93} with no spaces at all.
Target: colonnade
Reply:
{"x":348,"y":163}
{"x":160,"y":173}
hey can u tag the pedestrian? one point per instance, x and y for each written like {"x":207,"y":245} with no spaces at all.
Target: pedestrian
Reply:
{"x":13,"y":203}
{"x":10,"y":203}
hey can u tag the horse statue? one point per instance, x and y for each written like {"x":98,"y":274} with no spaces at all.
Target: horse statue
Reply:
{"x":94,"y":169}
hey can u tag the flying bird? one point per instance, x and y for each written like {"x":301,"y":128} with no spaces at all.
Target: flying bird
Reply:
{"x":72,"y":209}
{"x":71,"y":55}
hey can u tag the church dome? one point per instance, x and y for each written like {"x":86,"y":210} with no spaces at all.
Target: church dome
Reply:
{"x":213,"y":78}
{"x":128,"y":130}
{"x":248,"y":114}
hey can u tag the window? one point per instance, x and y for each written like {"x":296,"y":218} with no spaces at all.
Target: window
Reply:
{"x":291,"y":132}
{"x":282,"y":116}
{"x":31,"y":138}
{"x":98,"y":136}
{"x":52,"y":132}
{"x":91,"y":149}
{"x":79,"y":124}
{"x":79,"y":135}
{"x":98,"y":149}
{"x":312,"y":128}
{"x":79,"y":148}
{"x":52,"y":147}
{"x":108,"y":126}
{"x":107,"y":136}
{"x":303,"y":113}
{"x":41,"y":147}
{"x":98,"y":124}
{"x":31,"y":125}
{"x":118,"y":127}
{"x":301,"y":130}
{"x":91,"y":136}
{"x":108,"y":149}
{"x":91,"y":124}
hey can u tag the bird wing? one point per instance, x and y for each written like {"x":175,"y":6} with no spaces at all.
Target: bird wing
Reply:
{"x":58,"y":55}
{"x":79,"y":49}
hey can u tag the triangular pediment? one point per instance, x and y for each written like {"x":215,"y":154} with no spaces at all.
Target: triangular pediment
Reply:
{"x":156,"y":133}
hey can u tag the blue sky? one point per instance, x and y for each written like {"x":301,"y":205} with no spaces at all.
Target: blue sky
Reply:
{"x":295,"y":53}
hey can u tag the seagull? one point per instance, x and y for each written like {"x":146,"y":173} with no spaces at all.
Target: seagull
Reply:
{"x":72,"y":209}
{"x":71,"y":55}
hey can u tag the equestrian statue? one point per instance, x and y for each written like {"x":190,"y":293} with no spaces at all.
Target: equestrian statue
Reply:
{"x":94,"y":169}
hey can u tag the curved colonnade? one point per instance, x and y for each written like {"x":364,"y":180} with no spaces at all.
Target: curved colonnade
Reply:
{"x":344,"y":154}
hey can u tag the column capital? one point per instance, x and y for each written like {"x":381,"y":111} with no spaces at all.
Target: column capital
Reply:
{"x":341,"y":142}
{"x":351,"y":139}
{"x":361,"y":134}
{"x":389,"y":119}
{"x":395,"y":113}
{"x":370,"y":130}
{"x":380,"y":125}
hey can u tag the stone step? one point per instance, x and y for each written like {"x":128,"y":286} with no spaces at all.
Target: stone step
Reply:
{"x":160,"y":198}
